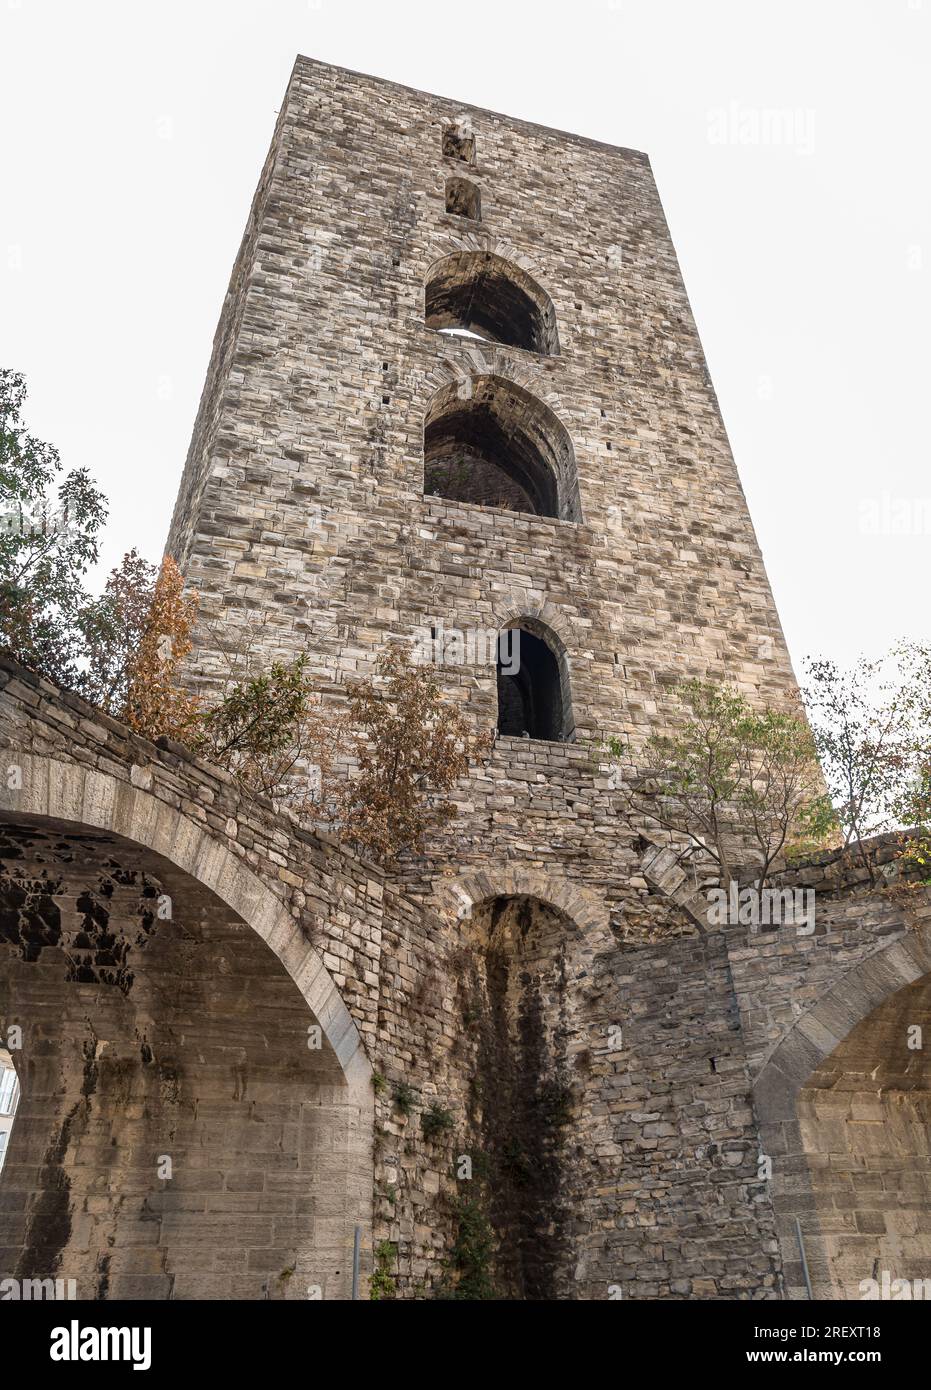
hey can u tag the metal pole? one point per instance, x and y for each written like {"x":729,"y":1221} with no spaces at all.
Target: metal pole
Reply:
{"x":801,"y":1251}
{"x":356,"y":1246}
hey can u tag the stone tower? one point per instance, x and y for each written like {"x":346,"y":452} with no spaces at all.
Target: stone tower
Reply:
{"x":456,"y":390}
{"x":360,"y":470}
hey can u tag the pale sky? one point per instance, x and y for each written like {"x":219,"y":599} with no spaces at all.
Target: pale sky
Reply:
{"x":789,"y":140}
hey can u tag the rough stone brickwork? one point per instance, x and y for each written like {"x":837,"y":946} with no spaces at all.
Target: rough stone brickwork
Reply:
{"x":606,"y":1091}
{"x":456,"y":384}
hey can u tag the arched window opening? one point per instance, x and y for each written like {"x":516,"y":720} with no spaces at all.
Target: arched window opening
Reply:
{"x":463,"y":199}
{"x":487,"y":296}
{"x":499,"y":447}
{"x":459,"y":143}
{"x":532,"y":688}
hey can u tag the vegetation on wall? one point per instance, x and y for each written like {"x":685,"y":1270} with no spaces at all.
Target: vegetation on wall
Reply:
{"x":412,"y":747}
{"x":472,"y":1254}
{"x":734,"y":779}
{"x":872,"y":729}
{"x":435,"y":1121}
{"x":123,"y":651}
{"x":382,"y":1284}
{"x":730,"y":776}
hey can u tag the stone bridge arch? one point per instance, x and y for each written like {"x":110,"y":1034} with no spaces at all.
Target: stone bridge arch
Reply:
{"x":213,"y":1036}
{"x":843,"y":1106}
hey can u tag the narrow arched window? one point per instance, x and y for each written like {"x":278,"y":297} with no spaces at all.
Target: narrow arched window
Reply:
{"x":533,"y":685}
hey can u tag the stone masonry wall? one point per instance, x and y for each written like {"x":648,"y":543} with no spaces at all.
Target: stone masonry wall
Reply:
{"x":601,"y":1087}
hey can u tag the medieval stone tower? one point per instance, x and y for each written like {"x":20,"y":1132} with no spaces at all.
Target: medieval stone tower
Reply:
{"x":456,"y":389}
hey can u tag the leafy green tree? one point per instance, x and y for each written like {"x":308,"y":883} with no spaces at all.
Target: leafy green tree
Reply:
{"x":732,"y":781}
{"x":113,"y":627}
{"x":49,"y":530}
{"x":266,"y":729}
{"x":870,"y":725}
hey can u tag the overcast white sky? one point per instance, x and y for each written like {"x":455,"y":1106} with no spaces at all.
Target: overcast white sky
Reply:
{"x":132,"y":135}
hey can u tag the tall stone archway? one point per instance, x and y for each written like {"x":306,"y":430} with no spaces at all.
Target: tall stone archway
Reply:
{"x":196,"y":1105}
{"x":843,"y":1104}
{"x":527,"y":943}
{"x":865,"y":1121}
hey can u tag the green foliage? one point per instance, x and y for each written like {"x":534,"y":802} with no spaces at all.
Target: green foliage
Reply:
{"x":251,"y":723}
{"x":730,"y":776}
{"x":382,"y":1284}
{"x":862,"y":725}
{"x":379,"y":1082}
{"x":113,"y":627}
{"x":472,"y":1253}
{"x":872,"y":726}
{"x":436,"y":1121}
{"x":267,"y":729}
{"x":404,"y":1097}
{"x":49,"y":529}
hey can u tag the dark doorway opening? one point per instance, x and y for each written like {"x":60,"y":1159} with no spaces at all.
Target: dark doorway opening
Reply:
{"x":530,"y":700}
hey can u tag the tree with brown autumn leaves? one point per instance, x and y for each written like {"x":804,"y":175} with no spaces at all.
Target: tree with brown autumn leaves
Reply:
{"x":413,"y":747}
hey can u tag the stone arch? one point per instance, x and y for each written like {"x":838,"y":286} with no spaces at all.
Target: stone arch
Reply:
{"x":473,"y":360}
{"x":490,"y":442}
{"x":483,"y":242}
{"x":673,"y":872}
{"x":485,"y":294}
{"x":68,"y":792}
{"x":807,"y":1060}
{"x":457,"y":897}
{"x":528,"y":1024}
{"x":216,"y":1038}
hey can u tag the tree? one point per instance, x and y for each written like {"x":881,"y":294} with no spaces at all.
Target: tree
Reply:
{"x":412,"y":749}
{"x":156,"y":703}
{"x":49,"y":529}
{"x":731,"y":780}
{"x":112,"y":628}
{"x":912,"y":805}
{"x":866,"y":723}
{"x":268,"y":732}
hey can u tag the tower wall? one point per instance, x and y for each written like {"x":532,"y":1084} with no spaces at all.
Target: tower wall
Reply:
{"x":304,"y":524}
{"x":302,"y":500}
